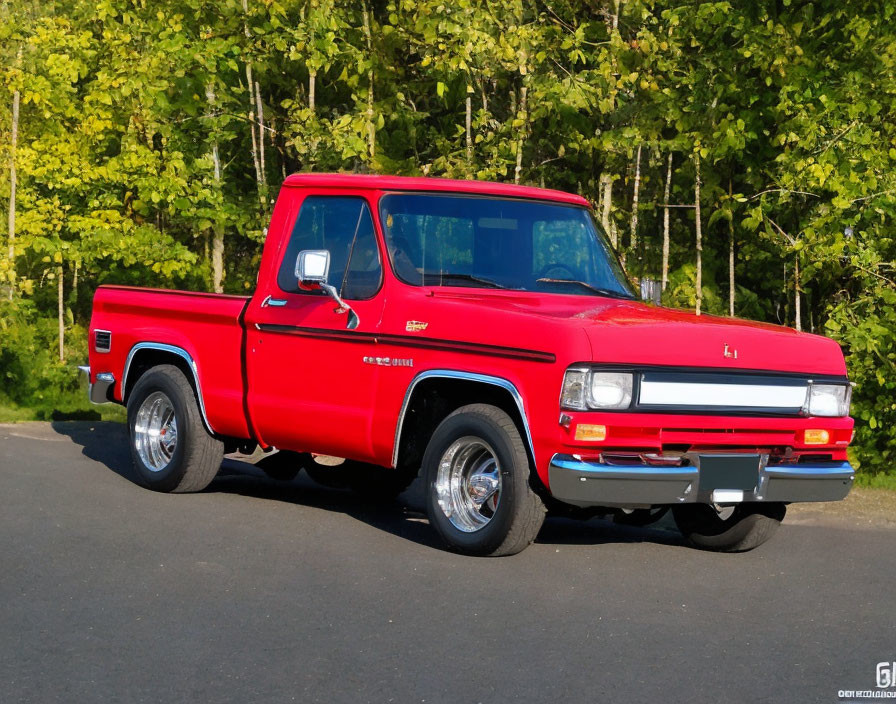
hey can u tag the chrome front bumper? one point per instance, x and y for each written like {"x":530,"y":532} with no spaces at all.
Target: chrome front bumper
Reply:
{"x":592,"y":483}
{"x":98,"y":391}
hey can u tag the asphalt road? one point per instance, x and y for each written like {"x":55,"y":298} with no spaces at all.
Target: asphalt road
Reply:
{"x":257,"y":592}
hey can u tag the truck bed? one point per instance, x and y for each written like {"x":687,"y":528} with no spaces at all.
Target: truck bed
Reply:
{"x":207,"y":326}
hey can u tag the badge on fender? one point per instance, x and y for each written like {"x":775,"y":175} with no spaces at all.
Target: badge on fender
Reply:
{"x":389,"y":361}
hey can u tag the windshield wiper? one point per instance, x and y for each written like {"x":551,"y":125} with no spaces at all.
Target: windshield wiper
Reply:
{"x":589,"y":287}
{"x":467,"y":277}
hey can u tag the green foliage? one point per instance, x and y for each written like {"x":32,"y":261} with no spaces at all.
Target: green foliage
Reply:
{"x":139,"y":144}
{"x":34,"y":384}
{"x":876,"y":481}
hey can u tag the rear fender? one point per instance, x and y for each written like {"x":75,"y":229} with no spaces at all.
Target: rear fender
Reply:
{"x":128,"y":379}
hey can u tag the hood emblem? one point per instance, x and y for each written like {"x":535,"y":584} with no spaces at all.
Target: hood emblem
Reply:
{"x":729,"y":353}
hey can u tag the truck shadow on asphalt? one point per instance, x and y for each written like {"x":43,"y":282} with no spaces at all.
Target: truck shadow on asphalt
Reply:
{"x":107,"y":444}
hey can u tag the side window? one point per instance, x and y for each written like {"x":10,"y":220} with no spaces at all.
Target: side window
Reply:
{"x":343,"y":226}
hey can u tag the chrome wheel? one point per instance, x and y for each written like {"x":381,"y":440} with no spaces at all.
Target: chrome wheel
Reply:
{"x":155,"y":431}
{"x":468,"y":484}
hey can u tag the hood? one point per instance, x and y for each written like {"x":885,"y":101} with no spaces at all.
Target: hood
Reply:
{"x":632,"y":332}
{"x":636,"y":333}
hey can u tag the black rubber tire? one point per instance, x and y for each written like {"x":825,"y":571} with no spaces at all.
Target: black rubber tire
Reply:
{"x":368,"y":480}
{"x":197,"y":456}
{"x":283,"y":465}
{"x":520,"y":512}
{"x":748,"y":527}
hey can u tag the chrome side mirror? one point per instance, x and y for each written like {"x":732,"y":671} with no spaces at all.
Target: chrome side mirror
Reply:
{"x":312,"y":268}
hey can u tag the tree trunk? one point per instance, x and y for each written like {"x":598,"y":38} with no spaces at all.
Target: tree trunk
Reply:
{"x":251,"y":115}
{"x":518,"y":169}
{"x":614,"y":32}
{"x":608,"y":204}
{"x":14,"y":138}
{"x":312,"y":90}
{"x":218,"y":234}
{"x":250,"y":81}
{"x":61,"y":309}
{"x":666,"y":194}
{"x":371,"y":127}
{"x":524,"y":113}
{"x":260,"y":115}
{"x":797,"y":307}
{"x":469,"y":126}
{"x":277,"y":143}
{"x":218,"y":261}
{"x":699,"y":284}
{"x":633,"y":237}
{"x":730,"y":253}
{"x":218,"y":239}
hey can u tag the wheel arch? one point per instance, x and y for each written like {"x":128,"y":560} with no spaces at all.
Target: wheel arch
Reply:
{"x":463,"y":388}
{"x":143,"y":356}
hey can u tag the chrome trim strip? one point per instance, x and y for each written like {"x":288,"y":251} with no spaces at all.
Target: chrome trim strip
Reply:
{"x":466,"y":376}
{"x":180,"y":352}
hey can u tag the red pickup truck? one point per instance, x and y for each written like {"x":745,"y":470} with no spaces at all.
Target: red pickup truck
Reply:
{"x":485,"y":336}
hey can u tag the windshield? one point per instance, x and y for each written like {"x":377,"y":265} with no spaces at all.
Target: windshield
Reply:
{"x":451,"y":240}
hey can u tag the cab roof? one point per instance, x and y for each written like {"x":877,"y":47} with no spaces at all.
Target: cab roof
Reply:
{"x":429,"y":184}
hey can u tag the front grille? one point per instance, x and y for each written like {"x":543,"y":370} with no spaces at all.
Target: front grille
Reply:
{"x":102,"y":340}
{"x":709,"y":392}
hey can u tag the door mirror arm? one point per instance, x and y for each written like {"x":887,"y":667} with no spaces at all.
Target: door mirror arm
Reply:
{"x":343,"y":307}
{"x":312,"y":267}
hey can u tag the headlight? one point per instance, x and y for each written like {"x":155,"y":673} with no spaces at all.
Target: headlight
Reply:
{"x":585,"y":389}
{"x":828,"y":400}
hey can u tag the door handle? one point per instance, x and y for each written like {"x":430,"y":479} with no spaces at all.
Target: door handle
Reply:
{"x":273,"y":302}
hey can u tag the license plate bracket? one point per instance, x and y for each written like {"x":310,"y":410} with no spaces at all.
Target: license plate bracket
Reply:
{"x":735,"y":471}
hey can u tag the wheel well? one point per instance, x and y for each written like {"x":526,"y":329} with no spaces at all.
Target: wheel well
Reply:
{"x":146,"y":359}
{"x":433,"y":399}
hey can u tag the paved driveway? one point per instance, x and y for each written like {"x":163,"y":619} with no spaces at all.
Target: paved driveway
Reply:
{"x":257,"y":592}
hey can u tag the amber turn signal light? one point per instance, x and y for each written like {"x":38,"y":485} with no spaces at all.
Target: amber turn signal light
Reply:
{"x":816,"y":437}
{"x":591,"y":433}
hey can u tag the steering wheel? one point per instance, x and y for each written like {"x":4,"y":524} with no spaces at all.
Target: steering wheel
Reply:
{"x":573,"y":274}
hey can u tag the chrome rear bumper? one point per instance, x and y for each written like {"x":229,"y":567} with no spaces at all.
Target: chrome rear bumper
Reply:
{"x":98,"y":391}
{"x":592,"y":483}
